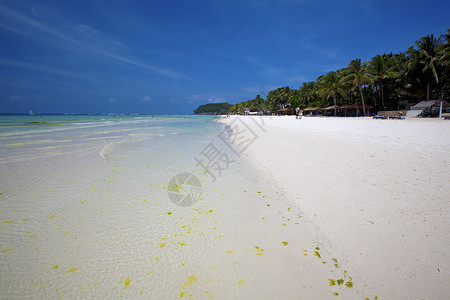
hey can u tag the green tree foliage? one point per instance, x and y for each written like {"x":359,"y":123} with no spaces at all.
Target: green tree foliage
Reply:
{"x":358,"y":75}
{"x":428,"y":59}
{"x":381,"y":67}
{"x":213,"y":109}
{"x":330,"y":86}
{"x":278,"y":98}
{"x":420,"y":72}
{"x":308,"y":93}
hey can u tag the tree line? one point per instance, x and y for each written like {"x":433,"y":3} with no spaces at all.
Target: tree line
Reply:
{"x":213,"y":109}
{"x":421,"y":72}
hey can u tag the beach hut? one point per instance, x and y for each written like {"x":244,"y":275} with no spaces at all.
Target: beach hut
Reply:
{"x":357,"y":108}
{"x":313,"y":110}
{"x":431,"y":108}
{"x":285,"y":111}
{"x":333,"y":107}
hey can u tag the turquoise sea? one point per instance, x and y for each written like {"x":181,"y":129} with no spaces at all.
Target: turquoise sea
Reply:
{"x":140,"y":207}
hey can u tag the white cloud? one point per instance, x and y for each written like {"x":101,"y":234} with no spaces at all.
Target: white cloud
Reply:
{"x":145,"y":98}
{"x":46,"y":69}
{"x":112,"y":100}
{"x":85,"y":37}
{"x":205,"y":98}
{"x":16,"y":98}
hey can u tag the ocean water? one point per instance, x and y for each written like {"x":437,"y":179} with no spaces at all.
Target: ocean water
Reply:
{"x":160,"y":207}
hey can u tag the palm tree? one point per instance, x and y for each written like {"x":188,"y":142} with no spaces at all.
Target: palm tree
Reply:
{"x":444,"y":49}
{"x":308,"y":92}
{"x":358,"y":75}
{"x":381,"y":67}
{"x":330,"y":85}
{"x":429,"y":58}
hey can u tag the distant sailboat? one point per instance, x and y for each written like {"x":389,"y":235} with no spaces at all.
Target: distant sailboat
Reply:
{"x":31,"y":113}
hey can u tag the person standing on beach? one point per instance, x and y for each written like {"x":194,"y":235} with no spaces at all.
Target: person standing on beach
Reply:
{"x":298,"y":113}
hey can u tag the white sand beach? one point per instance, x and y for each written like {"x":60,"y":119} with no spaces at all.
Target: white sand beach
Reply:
{"x":318,"y":208}
{"x":376,"y":191}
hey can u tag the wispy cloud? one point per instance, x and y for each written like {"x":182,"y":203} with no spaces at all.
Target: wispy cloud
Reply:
{"x":45,"y":69}
{"x":16,"y":98}
{"x":205,"y":98}
{"x":112,"y":100}
{"x":145,"y":99}
{"x":81,"y":36}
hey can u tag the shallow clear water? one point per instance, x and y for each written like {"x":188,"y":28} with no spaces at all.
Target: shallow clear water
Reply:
{"x":86,"y":213}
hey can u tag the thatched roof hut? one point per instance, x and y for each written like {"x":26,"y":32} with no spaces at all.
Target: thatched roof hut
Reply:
{"x":317,"y":108}
{"x":332,"y":107}
{"x":357,"y":107}
{"x":430,"y":103}
{"x":285,"y":111}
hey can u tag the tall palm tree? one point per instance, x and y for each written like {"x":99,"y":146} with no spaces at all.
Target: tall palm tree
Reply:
{"x":330,"y":85}
{"x":429,"y":58}
{"x":358,"y":75}
{"x":381,"y":67}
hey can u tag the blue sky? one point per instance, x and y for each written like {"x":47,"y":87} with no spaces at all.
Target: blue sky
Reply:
{"x":169,"y":56}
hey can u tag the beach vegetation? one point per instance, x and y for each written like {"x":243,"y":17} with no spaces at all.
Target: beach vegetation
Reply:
{"x":358,"y":75}
{"x":420,"y":72}
{"x":213,"y":109}
{"x":381,"y":67}
{"x":331,"y":86}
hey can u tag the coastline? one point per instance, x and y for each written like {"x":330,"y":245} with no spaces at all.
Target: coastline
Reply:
{"x":376,"y":190}
{"x":101,"y":222}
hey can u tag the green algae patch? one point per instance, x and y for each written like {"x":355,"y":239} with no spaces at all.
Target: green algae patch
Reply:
{"x":191,"y":280}
{"x":336,"y":294}
{"x":316,"y":253}
{"x":162,"y":245}
{"x":340,"y":281}
{"x":332,"y":282}
{"x":126,"y":282}
{"x":7,"y":250}
{"x":55,"y":267}
{"x":240,"y":282}
{"x":284,"y":243}
{"x":72,"y":270}
{"x":8,"y":222}
{"x":349,"y":284}
{"x":169,"y":213}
